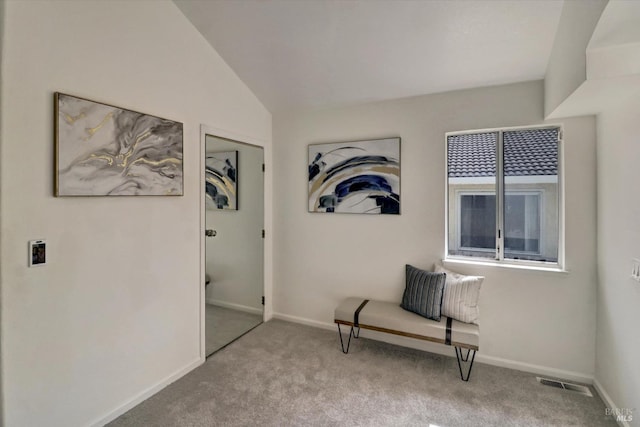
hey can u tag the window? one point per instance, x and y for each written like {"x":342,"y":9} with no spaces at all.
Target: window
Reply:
{"x":503,"y":195}
{"x":522,"y":225}
{"x":478,"y":223}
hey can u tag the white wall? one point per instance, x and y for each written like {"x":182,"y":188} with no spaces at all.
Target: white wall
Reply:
{"x":528,"y":318}
{"x":2,"y":26}
{"x":234,"y":257}
{"x":618,"y":296}
{"x":116,"y":313}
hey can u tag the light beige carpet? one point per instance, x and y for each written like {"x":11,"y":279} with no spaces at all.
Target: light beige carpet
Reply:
{"x":285,"y":374}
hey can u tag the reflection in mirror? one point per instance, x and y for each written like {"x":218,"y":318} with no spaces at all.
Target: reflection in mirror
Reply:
{"x":234,"y":215}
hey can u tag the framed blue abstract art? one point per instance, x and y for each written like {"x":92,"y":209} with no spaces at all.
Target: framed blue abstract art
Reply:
{"x":355,"y":177}
{"x":102,"y":150}
{"x":221,"y":180}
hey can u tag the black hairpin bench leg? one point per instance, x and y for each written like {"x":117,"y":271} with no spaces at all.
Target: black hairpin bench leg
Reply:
{"x":465,"y":359}
{"x":351,"y":334}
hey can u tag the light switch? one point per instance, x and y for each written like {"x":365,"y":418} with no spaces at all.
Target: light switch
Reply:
{"x":37,"y":253}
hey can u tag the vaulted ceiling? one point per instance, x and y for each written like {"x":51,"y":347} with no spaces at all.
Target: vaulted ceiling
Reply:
{"x":327,"y":53}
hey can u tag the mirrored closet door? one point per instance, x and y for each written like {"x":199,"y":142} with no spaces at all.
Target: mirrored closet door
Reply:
{"x":234,"y":244}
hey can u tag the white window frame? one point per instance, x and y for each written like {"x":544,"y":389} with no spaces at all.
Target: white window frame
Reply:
{"x":500,"y":259}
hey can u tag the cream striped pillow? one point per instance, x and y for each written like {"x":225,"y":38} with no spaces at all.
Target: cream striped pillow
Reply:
{"x":461,"y":294}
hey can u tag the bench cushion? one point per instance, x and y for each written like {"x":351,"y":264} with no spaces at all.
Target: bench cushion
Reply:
{"x":391,"y":318}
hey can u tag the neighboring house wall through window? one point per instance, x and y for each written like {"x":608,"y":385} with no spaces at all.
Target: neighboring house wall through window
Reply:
{"x":503,"y":200}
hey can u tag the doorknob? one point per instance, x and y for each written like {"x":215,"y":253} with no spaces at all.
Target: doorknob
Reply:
{"x":210,"y":233}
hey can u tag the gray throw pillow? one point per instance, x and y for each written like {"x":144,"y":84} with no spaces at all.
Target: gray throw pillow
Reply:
{"x":423,"y":292}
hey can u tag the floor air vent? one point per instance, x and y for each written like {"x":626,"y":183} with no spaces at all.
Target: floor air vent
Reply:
{"x":566,"y":386}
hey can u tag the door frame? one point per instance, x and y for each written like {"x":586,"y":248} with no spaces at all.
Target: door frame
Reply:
{"x":268,"y":240}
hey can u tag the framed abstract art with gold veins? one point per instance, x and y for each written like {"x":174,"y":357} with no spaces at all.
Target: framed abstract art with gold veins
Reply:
{"x":102,"y":150}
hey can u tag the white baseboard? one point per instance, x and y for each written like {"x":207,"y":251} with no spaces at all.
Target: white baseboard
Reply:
{"x":145,"y":394}
{"x":607,"y":400}
{"x":233,"y":306}
{"x":536,"y":369}
{"x":443,"y":350}
{"x":304,"y":321}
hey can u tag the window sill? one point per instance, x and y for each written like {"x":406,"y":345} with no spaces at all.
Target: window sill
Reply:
{"x":489,"y":263}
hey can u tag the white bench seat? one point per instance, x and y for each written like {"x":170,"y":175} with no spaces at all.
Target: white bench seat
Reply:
{"x":389,"y":317}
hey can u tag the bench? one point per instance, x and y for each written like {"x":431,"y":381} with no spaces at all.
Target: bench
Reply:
{"x":389,"y":317}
